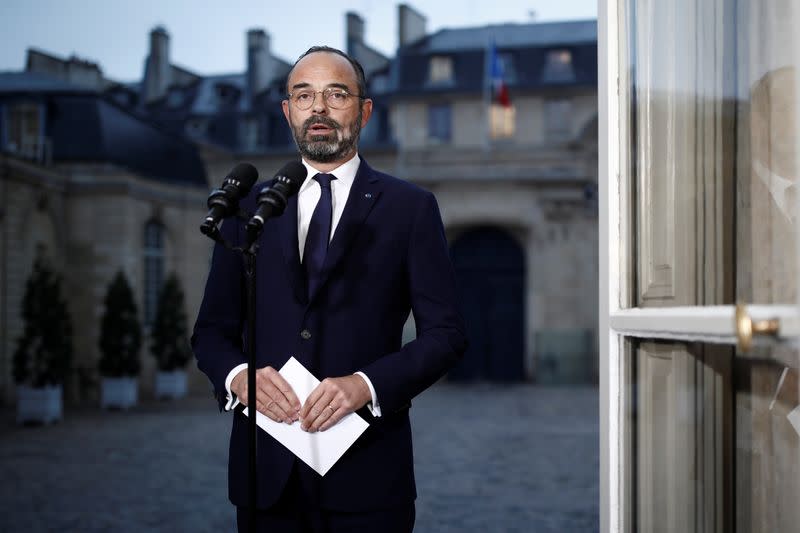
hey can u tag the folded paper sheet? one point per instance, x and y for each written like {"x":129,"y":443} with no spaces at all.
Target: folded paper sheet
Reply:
{"x":318,"y":450}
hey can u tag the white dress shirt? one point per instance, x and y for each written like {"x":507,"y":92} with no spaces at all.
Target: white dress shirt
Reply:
{"x":307,"y":198}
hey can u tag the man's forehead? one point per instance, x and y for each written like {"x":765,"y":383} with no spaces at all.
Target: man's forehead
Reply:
{"x":336,"y":66}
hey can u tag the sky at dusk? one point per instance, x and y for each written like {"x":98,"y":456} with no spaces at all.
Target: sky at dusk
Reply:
{"x":208,"y":36}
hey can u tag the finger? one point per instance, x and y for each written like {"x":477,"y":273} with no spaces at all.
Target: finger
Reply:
{"x":279,"y":390}
{"x":312,"y":399}
{"x":285,"y":389}
{"x":334,"y":418}
{"x":270,"y":393}
{"x":265,"y":409}
{"x":319,"y":412}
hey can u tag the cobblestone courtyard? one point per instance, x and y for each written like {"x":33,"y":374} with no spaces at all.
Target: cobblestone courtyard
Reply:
{"x":489,"y":459}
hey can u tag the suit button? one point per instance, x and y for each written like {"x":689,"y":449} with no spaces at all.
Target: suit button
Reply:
{"x":305,"y":334}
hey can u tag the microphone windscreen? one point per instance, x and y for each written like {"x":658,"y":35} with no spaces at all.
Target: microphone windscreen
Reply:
{"x":295,"y":172}
{"x":246,"y":174}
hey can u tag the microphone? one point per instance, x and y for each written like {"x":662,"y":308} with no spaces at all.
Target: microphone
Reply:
{"x":224,"y":202}
{"x":272,"y":198}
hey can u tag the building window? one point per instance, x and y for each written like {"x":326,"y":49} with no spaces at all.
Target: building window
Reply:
{"x":439,"y":122}
{"x":440,"y":70}
{"x":501,"y":121}
{"x":24,"y":131}
{"x":557,"y":119}
{"x":558,"y":67}
{"x":227,"y":95}
{"x":153,"y":268}
{"x":175,"y":98}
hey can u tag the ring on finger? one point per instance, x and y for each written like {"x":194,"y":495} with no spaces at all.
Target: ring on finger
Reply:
{"x":329,"y":406}
{"x":269,"y":405}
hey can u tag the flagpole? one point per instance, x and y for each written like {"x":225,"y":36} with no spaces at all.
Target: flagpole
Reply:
{"x":487,"y":91}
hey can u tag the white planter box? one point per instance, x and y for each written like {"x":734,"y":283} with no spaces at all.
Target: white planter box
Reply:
{"x":170,"y":384}
{"x":119,"y":393}
{"x":39,"y":405}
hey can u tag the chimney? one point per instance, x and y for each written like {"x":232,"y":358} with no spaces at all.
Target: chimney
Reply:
{"x":355,"y":32}
{"x":259,"y":61}
{"x":158,"y":71}
{"x":411,"y":25}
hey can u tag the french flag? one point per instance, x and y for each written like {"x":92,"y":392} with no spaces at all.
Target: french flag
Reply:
{"x":499,"y":88}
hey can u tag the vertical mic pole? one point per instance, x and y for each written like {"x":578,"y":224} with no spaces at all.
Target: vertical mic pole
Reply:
{"x":250,"y":274}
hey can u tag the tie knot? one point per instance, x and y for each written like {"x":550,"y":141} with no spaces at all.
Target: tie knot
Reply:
{"x":324,"y":180}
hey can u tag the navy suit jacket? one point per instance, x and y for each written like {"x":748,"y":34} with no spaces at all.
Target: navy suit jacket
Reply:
{"x":388,"y":256}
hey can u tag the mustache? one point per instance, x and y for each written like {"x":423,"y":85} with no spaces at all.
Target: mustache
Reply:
{"x":323,"y":121}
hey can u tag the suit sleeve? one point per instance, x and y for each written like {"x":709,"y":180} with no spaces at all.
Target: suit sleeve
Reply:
{"x":441,"y":338}
{"x":217,"y":340}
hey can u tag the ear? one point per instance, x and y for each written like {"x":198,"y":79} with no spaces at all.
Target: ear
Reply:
{"x":366,"y":111}
{"x":285,"y":107}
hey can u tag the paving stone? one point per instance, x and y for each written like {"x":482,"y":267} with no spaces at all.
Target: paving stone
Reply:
{"x":489,"y":458}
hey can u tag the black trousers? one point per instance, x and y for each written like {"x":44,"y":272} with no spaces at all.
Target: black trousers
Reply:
{"x":298,"y":511}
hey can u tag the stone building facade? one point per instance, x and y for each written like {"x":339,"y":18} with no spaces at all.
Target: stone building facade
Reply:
{"x":516,"y":183}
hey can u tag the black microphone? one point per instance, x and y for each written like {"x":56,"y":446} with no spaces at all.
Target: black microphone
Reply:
{"x":272,"y":198}
{"x":224,"y":202}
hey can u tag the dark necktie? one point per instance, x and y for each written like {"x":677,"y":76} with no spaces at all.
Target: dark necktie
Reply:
{"x":319,"y":233}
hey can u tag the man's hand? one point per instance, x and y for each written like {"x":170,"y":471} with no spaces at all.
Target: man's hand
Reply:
{"x":274,"y":396}
{"x":333,"y":399}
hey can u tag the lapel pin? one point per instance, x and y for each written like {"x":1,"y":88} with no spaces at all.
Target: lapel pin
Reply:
{"x":367,"y":195}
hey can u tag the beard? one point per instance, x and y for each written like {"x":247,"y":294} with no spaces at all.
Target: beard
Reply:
{"x":327,"y":148}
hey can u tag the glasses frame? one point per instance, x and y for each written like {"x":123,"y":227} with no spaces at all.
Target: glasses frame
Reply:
{"x":329,"y":90}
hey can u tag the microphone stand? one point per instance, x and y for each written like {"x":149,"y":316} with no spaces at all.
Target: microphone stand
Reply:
{"x":249,"y":255}
{"x":250,"y":290}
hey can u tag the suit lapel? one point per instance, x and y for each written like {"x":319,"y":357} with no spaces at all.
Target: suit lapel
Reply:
{"x":364,"y":193}
{"x":287,"y":228}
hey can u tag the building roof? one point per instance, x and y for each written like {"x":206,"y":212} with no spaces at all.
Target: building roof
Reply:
{"x":540,"y":34}
{"x":530,"y":55}
{"x":33,"y":82}
{"x":89,"y":128}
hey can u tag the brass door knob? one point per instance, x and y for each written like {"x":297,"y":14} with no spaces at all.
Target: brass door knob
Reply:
{"x":746,"y":328}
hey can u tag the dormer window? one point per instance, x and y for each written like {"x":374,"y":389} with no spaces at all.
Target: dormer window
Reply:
{"x":227,"y":95}
{"x":175,"y":98}
{"x":558,"y":67}
{"x":24,"y":130}
{"x":440,"y":69}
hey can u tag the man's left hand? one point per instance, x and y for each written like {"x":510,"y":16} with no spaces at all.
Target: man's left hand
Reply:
{"x":332,"y":400}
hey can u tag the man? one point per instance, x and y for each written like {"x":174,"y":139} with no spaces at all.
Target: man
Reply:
{"x":355,"y":251}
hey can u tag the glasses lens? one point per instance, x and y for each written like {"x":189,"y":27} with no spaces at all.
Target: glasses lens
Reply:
{"x":303,"y":99}
{"x":336,"y":98}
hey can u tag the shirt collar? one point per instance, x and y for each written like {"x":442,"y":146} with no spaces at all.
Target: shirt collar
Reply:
{"x":345,"y":173}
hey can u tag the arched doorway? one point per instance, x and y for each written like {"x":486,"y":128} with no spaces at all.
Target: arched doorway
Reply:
{"x":490,"y":272}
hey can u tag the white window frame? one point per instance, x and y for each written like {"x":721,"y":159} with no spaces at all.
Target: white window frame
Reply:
{"x":708,"y":324}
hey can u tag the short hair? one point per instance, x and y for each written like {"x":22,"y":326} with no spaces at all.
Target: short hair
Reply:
{"x":361,"y":79}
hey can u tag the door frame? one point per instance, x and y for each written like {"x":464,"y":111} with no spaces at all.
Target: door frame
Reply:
{"x":618,"y":319}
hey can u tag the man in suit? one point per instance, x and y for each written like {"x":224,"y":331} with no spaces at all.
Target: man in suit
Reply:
{"x":338,"y":273}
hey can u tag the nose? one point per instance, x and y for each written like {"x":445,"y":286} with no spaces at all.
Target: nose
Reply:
{"x":319,"y":107}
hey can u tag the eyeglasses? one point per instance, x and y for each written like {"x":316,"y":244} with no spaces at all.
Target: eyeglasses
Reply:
{"x":334,"y":97}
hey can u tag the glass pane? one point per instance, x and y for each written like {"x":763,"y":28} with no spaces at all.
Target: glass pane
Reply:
{"x":713,"y":154}
{"x":767,"y":407}
{"x":679,"y":443}
{"x":766,"y":96}
{"x":713,"y":440}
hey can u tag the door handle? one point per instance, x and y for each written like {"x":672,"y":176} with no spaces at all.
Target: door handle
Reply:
{"x":746,"y":328}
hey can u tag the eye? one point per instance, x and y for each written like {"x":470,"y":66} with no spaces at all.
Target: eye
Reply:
{"x":303,"y":96}
{"x":338,"y":96}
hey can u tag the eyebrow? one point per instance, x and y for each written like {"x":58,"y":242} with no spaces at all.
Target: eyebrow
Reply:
{"x":303,"y":85}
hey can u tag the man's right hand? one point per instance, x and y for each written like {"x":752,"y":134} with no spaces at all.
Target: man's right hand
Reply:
{"x":274,"y":396}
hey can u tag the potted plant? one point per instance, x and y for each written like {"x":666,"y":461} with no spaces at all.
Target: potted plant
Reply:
{"x":170,"y":341}
{"x":120,"y":341}
{"x":44,"y":350}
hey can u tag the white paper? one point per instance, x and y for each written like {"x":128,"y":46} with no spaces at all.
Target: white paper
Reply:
{"x":318,"y":450}
{"x":794,"y":419}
